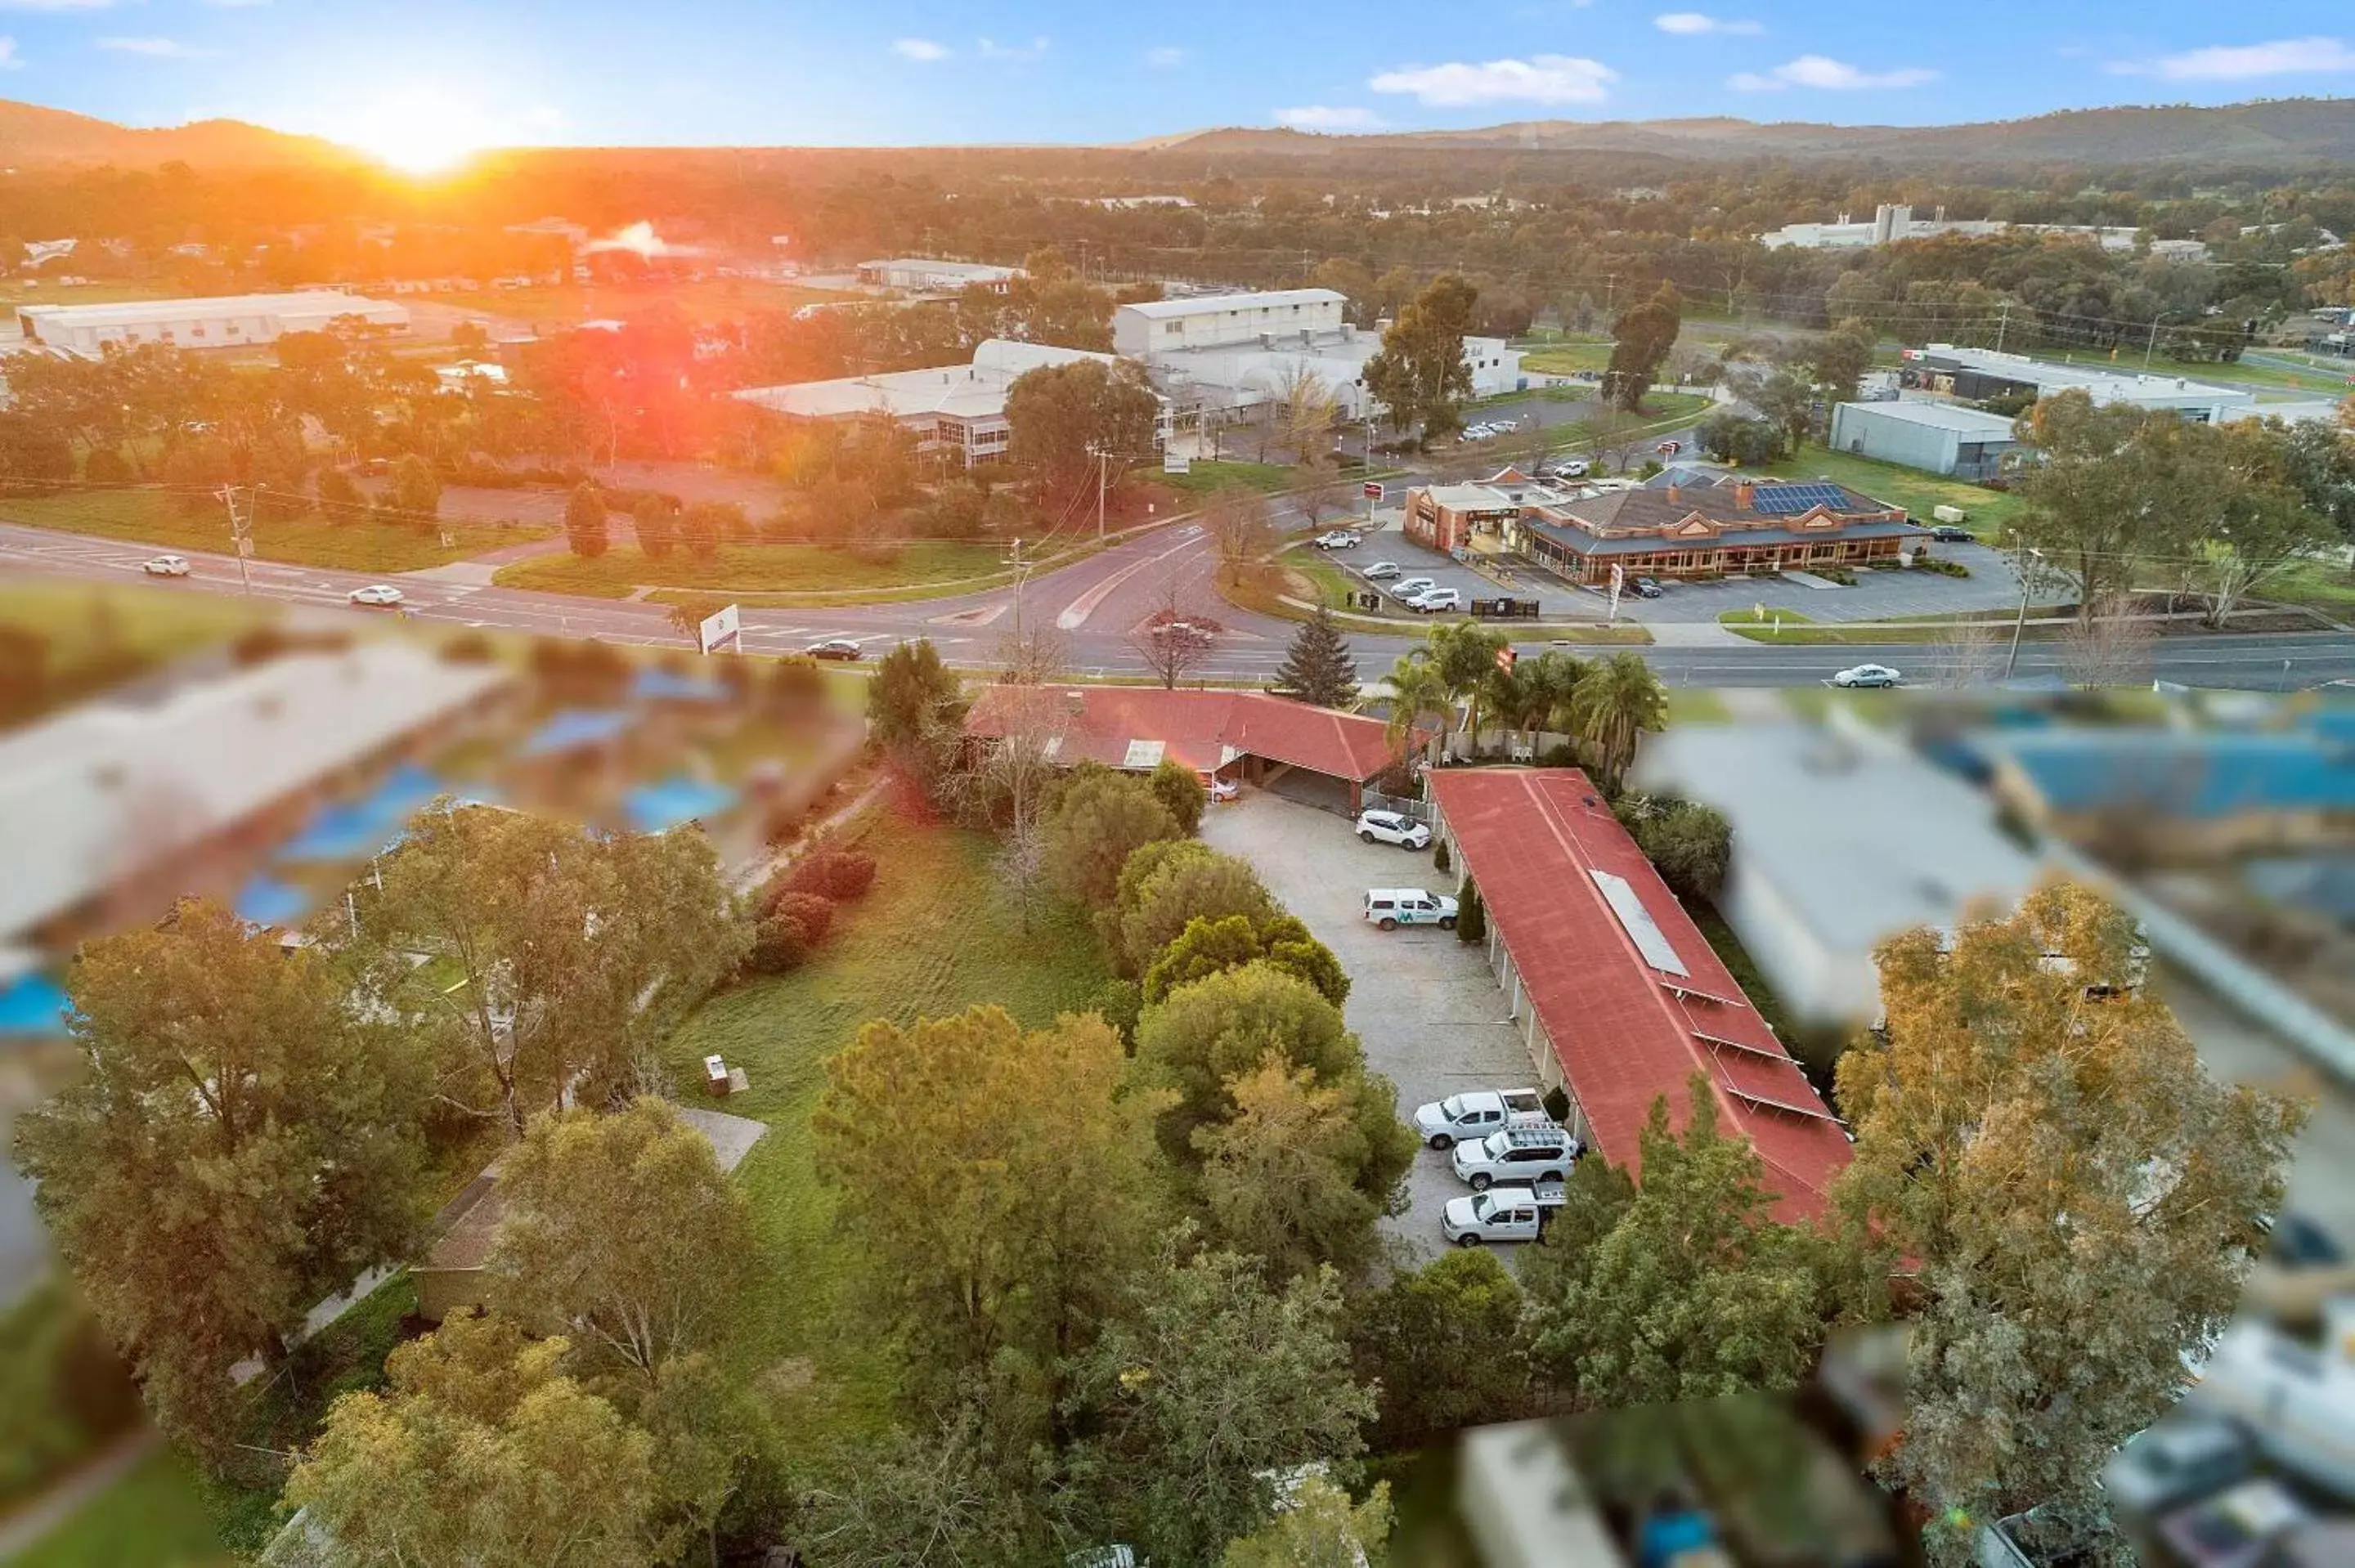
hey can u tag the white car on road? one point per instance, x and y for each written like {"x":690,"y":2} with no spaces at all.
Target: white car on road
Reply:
{"x":375,"y":596}
{"x":1444,"y":1124}
{"x":1868,"y":676}
{"x":1390,"y":827}
{"x":1510,"y":1213}
{"x":165,"y":567}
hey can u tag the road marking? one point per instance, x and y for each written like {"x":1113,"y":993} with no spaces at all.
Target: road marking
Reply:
{"x":1075,"y":614}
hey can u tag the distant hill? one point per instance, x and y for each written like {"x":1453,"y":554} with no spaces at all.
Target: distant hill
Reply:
{"x":33,"y":137}
{"x":2291,"y":131}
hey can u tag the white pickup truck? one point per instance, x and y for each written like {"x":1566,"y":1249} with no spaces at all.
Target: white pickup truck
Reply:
{"x":1468,"y":1117}
{"x":1508,"y":1214}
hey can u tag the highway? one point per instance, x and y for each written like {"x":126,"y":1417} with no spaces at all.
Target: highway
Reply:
{"x":1098,"y":604}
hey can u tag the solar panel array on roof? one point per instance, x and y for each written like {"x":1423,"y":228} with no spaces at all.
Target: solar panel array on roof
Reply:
{"x":1143,"y":755}
{"x":1790,"y":500}
{"x":1649,"y":940}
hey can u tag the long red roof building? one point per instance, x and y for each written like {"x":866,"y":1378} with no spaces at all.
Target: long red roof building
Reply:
{"x":1619,"y":997}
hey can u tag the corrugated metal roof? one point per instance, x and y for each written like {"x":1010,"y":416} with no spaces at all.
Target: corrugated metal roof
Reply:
{"x":1219,"y":305}
{"x":1624,"y":1033}
{"x":1203,"y":730}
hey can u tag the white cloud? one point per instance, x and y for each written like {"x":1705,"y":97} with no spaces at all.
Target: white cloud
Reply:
{"x":9,"y":59}
{"x":2240,"y":62}
{"x":919,"y":50}
{"x":991,"y":49}
{"x":156,"y":48}
{"x":1328,"y":117}
{"x":1835,"y":76}
{"x":1541,"y":79}
{"x":1692,"y":23}
{"x":1163,"y":57}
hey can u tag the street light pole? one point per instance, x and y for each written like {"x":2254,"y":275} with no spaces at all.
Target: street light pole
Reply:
{"x":2019,"y":622}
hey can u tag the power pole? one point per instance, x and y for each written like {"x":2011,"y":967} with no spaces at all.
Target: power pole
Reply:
{"x":2001,"y":323}
{"x":2019,"y":622}
{"x":1104,"y":468}
{"x":2152,"y":346}
{"x":241,"y":535}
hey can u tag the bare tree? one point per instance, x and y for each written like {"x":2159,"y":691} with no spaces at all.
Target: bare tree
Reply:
{"x":1968,"y":654}
{"x":2109,"y":646}
{"x":1173,"y":643}
{"x":1034,"y":653}
{"x":1336,"y":498}
{"x":1305,"y":407}
{"x":1007,"y":778}
{"x":1241,"y":532}
{"x":1611,"y":437}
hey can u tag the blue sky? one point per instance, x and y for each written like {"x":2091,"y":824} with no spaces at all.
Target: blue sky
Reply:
{"x":428,"y":79}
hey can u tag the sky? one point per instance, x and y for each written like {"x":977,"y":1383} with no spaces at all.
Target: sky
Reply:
{"x":424,"y":82}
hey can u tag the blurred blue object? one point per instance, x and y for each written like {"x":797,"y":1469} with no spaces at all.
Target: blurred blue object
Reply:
{"x":574,"y":728}
{"x":657,"y":807}
{"x":265,"y":901}
{"x":656,"y":685}
{"x":2206,"y":774}
{"x":33,"y":1004}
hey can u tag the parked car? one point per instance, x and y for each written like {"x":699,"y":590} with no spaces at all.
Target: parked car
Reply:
{"x":1568,"y":468}
{"x":2181,"y":1458}
{"x":1381,"y":569}
{"x":1646,"y":588}
{"x":1506,"y":1214}
{"x":1444,"y":1124}
{"x":165,"y":567}
{"x":1390,"y":827}
{"x":1407,"y":588}
{"x":1947,"y":533}
{"x":1339,"y":539}
{"x":1432,"y":600}
{"x":1517,"y":1154}
{"x":1868,"y":676}
{"x":2236,"y":1528}
{"x":375,"y":596}
{"x":835,"y":648}
{"x":1390,"y":907}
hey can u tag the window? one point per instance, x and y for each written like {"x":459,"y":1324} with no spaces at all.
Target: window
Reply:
{"x":197,"y":332}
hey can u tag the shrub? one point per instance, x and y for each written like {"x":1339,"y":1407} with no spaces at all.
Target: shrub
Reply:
{"x":1943,"y":567}
{"x":1439,"y":856}
{"x":1471,"y":915}
{"x":1175,"y":787}
{"x":339,"y":494}
{"x":106,"y":466}
{"x":791,"y":927}
{"x":842,"y":875}
{"x":1120,"y":1003}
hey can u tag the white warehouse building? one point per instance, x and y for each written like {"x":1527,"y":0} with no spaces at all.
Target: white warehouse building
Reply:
{"x":227,"y":320}
{"x":919,"y":275}
{"x":1223,"y":354}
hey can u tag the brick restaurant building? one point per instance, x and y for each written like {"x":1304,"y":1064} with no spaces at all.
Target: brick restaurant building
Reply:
{"x":1682,"y":523}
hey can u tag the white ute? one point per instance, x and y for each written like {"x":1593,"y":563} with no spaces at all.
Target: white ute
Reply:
{"x":1511,"y":1213}
{"x":1467,"y":1118}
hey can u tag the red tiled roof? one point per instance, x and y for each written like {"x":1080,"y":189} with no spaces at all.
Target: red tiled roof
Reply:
{"x":1198,"y":728}
{"x":1626,"y":1033}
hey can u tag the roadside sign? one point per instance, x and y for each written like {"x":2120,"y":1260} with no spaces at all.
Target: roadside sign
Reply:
{"x":1176,"y":462}
{"x":1504,"y":659}
{"x":721,"y":626}
{"x":1373,"y":490}
{"x":1618,"y":582}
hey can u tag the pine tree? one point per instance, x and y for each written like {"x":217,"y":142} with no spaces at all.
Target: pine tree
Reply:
{"x":1319,"y":667}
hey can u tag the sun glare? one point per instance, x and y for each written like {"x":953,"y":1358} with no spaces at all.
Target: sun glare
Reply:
{"x":423,"y":133}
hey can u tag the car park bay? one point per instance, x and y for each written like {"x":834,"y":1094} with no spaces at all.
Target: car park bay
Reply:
{"x":1423,"y":1004}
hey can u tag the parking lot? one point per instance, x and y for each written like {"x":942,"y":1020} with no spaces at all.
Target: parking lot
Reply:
{"x":1388,"y":543}
{"x":1877,"y":595}
{"x":1423,"y":1004}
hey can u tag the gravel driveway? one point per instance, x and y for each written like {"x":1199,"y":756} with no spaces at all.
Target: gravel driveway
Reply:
{"x":1424,"y":1004}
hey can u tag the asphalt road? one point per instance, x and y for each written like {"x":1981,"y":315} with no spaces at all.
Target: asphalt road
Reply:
{"x":1100,"y":605}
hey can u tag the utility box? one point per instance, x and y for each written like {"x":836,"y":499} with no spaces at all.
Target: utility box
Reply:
{"x":714,"y":1076}
{"x":1946,"y":513}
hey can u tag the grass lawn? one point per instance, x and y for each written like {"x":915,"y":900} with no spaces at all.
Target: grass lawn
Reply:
{"x":1690,"y":705}
{"x":781,"y":568}
{"x":1984,"y":510}
{"x":1788,"y":626}
{"x":110,"y":622}
{"x":154,"y":1517}
{"x":710,"y":299}
{"x":935,"y":936}
{"x":2330,"y":590}
{"x":155,"y":517}
{"x":1203,"y":477}
{"x":1568,"y":358}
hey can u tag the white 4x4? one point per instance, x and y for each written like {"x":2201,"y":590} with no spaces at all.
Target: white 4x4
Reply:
{"x":1468,"y":1117}
{"x":1431,"y":600}
{"x":1517,"y":1154}
{"x":1390,"y":907}
{"x":1513,"y":1214}
{"x":1390,"y":827}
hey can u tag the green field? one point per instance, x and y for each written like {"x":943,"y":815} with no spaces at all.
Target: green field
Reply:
{"x":110,"y":622}
{"x":154,"y":1517}
{"x":709,"y":301}
{"x":156,"y":518}
{"x":1566,"y":358}
{"x":1203,"y":477}
{"x":755,"y":568}
{"x":1984,"y":510}
{"x":936,"y":935}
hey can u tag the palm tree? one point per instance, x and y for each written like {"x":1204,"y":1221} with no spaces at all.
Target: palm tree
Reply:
{"x":1553,"y":680}
{"x":1416,"y":689}
{"x":1614,"y":702}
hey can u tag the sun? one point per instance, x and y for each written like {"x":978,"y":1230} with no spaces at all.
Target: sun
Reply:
{"x":422,"y":132}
